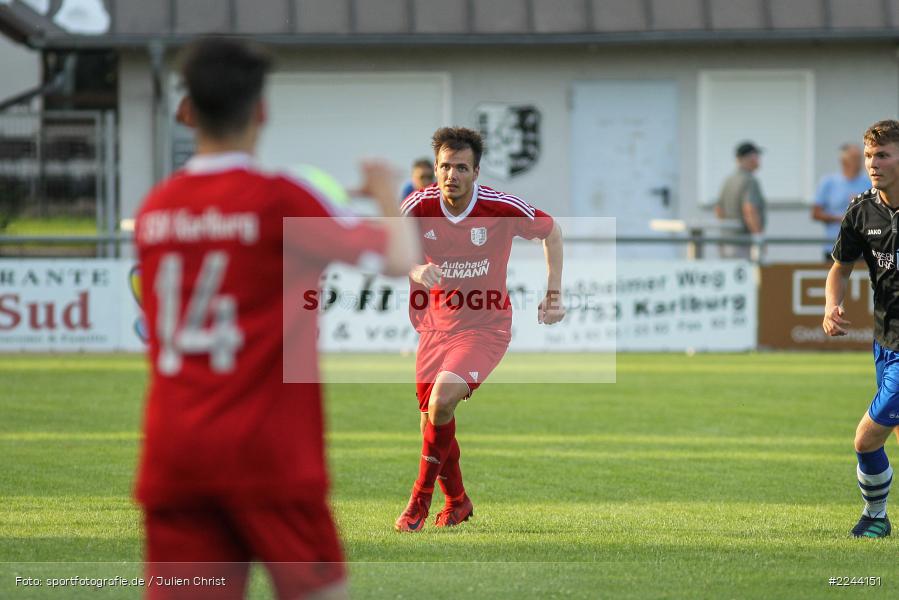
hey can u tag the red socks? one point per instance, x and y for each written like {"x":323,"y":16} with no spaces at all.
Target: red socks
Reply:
{"x":450,"y":478}
{"x":436,"y":445}
{"x":440,"y":456}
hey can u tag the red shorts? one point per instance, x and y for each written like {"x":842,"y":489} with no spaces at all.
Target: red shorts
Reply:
{"x":206,"y":552}
{"x":472,"y":354}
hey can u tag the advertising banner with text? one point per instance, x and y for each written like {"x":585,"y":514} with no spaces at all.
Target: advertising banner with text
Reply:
{"x":68,"y":306}
{"x":707,"y":305}
{"x":648,"y":306}
{"x":791,"y":309}
{"x":92,"y":305}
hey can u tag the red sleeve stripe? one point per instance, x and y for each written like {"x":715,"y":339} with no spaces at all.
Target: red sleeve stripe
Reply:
{"x":518,"y":203}
{"x":411,"y":201}
{"x":524,"y":212}
{"x":415,"y":199}
{"x":407,"y":207}
{"x":493,"y":194}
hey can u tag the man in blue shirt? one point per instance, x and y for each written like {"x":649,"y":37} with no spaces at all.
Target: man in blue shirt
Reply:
{"x":836,"y":190}
{"x":422,"y":176}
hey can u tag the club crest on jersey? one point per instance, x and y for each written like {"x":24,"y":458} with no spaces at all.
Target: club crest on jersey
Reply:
{"x":478,"y":236}
{"x":511,"y":138}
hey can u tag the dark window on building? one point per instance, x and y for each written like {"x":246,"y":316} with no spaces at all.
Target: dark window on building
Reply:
{"x":90,"y":82}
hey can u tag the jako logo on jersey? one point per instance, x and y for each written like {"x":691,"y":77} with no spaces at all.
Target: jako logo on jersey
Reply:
{"x":431,"y":459}
{"x":478,"y":236}
{"x":874,"y":232}
{"x":431,"y":235}
{"x":884,"y":259}
{"x":474,"y":375}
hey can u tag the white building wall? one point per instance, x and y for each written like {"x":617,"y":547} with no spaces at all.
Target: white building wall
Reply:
{"x":20,"y":68}
{"x":136,"y":131}
{"x":855,"y":85}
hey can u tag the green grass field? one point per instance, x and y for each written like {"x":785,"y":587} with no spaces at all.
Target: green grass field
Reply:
{"x":713,"y":476}
{"x":52,"y":226}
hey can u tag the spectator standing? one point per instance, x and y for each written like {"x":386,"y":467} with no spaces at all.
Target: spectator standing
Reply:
{"x":836,"y":190}
{"x":422,"y":176}
{"x":741,"y":199}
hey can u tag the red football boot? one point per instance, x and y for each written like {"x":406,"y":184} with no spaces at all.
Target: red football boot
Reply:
{"x":413,"y":518}
{"x":454,"y":513}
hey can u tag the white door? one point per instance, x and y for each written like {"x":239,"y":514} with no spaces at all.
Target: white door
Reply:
{"x":624,"y":158}
{"x":334,"y":120}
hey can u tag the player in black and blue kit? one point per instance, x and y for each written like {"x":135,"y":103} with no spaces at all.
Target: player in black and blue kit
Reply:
{"x":870,"y":229}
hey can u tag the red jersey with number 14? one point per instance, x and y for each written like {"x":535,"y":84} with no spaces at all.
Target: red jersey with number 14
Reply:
{"x":473,"y":251}
{"x":219,"y":420}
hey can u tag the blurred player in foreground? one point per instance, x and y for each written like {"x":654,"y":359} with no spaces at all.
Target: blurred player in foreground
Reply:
{"x":869,"y":230}
{"x":232,"y":468}
{"x":460,"y":306}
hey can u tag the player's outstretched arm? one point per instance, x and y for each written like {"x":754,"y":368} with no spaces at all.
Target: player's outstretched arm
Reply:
{"x":379,"y":182}
{"x":834,"y":292}
{"x":551,"y":309}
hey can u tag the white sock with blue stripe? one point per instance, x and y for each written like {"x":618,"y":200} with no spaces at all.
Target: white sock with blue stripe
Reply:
{"x":875,"y":489}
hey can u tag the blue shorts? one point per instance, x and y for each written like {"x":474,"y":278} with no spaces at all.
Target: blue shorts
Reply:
{"x":884,"y":409}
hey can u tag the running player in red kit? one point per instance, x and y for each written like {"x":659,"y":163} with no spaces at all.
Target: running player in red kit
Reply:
{"x":460,"y":306}
{"x":232,"y":467}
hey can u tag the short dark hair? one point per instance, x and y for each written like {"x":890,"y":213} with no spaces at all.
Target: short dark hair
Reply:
{"x":423,"y":163}
{"x":458,"y":138}
{"x":746,"y":148}
{"x":224,"y":79}
{"x":882,"y":132}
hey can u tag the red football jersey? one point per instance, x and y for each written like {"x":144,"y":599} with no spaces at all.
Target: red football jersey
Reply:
{"x":219,"y":421}
{"x":473,"y":250}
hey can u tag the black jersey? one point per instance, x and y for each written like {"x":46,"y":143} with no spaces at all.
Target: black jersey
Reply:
{"x":869,"y":229}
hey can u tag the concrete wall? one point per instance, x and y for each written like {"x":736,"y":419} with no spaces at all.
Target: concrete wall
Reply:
{"x":855,"y":84}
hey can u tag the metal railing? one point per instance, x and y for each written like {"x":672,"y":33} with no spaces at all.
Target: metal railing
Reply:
{"x":59,"y":163}
{"x":111,"y":245}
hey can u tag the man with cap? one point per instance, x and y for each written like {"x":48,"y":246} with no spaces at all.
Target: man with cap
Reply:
{"x":741,"y":199}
